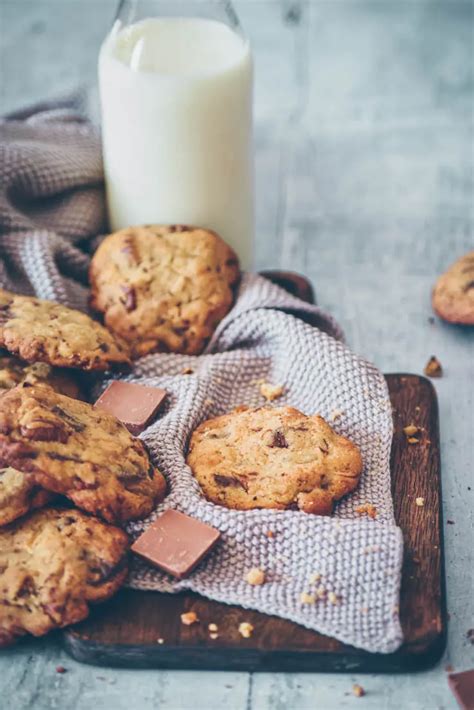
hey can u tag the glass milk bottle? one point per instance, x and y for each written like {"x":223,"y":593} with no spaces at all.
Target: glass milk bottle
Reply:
{"x":175,"y":85}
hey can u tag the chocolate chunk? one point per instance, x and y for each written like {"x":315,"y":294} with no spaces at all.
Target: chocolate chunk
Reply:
{"x":176,"y":543}
{"x":462,"y":685}
{"x":134,"y":405}
{"x":279,"y":440}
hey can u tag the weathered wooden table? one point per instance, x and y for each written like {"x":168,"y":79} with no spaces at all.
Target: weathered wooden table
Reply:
{"x":364,"y":140}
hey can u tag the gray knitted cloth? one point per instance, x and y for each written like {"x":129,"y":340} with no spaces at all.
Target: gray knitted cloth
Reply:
{"x":51,"y":208}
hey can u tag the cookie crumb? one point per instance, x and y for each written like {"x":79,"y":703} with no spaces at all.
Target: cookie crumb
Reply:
{"x":367,"y":509}
{"x":315,"y":578}
{"x":190,"y":617}
{"x":187,"y":371}
{"x":245,"y":629}
{"x":358,"y":690}
{"x":306,"y":598}
{"x":61,"y":669}
{"x":335,"y":415}
{"x":255,"y":576}
{"x":321,"y":592}
{"x":420,"y":502}
{"x":270,"y":533}
{"x":213,"y":627}
{"x":333,"y":598}
{"x":433,"y":367}
{"x":160,"y":641}
{"x":271,"y":392}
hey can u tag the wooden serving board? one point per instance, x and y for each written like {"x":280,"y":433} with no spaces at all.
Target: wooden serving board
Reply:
{"x":125,"y":631}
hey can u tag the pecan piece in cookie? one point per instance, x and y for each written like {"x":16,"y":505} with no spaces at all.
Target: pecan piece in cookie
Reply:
{"x":43,"y":331}
{"x":273,"y":458}
{"x":163,"y":288}
{"x":53,"y":564}
{"x":18,"y":495}
{"x":69,"y":447}
{"x":14,"y":371}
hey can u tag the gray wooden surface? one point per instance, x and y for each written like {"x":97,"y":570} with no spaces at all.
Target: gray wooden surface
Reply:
{"x":364,"y":150}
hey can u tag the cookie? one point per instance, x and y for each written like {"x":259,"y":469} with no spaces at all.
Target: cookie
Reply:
{"x":44,"y":331}
{"x":18,"y":495}
{"x":453,"y":294}
{"x":69,"y":447}
{"x":14,"y":371}
{"x":163,"y":288}
{"x":273,"y":458}
{"x":53,"y":564}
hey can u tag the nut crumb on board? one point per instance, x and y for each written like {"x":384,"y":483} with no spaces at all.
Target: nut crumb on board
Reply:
{"x":420,"y":502}
{"x":367,"y":509}
{"x":245,"y":629}
{"x":213,"y":627}
{"x":358,"y":690}
{"x":255,"y":576}
{"x":213,"y":635}
{"x":271,"y":392}
{"x":433,"y":367}
{"x":189,"y":617}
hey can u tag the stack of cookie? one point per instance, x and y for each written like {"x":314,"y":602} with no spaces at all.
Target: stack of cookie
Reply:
{"x":161,"y":289}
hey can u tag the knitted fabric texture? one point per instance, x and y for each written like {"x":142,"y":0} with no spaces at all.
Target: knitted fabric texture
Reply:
{"x":51,"y":209}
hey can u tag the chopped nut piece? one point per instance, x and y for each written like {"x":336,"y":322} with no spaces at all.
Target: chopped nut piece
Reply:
{"x":358,"y":690}
{"x":213,"y":627}
{"x":332,"y":597}
{"x":410,"y":430}
{"x":413,"y":440}
{"x":187,"y":371}
{"x":420,"y":502}
{"x":271,"y":392}
{"x":213,"y":636}
{"x":367,"y":509}
{"x":190,"y":617}
{"x":433,"y":367}
{"x":270,"y":533}
{"x":335,"y":414}
{"x":255,"y":576}
{"x":306,"y":598}
{"x":315,"y":578}
{"x":245,"y":629}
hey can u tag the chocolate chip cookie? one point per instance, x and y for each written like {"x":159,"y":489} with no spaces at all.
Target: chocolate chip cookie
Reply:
{"x":43,"y":331}
{"x":53,"y":564}
{"x":18,"y":495}
{"x":273,"y":458}
{"x":453,"y":294}
{"x":14,"y":371}
{"x":69,"y":447}
{"x":163,"y":288}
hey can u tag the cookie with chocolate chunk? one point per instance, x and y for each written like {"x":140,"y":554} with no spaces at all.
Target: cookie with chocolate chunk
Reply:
{"x":53,"y":564}
{"x":273,"y":458}
{"x":43,"y":331}
{"x":18,"y":495}
{"x":14,"y":371}
{"x":163,"y":288}
{"x":69,"y":447}
{"x":453,"y":294}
